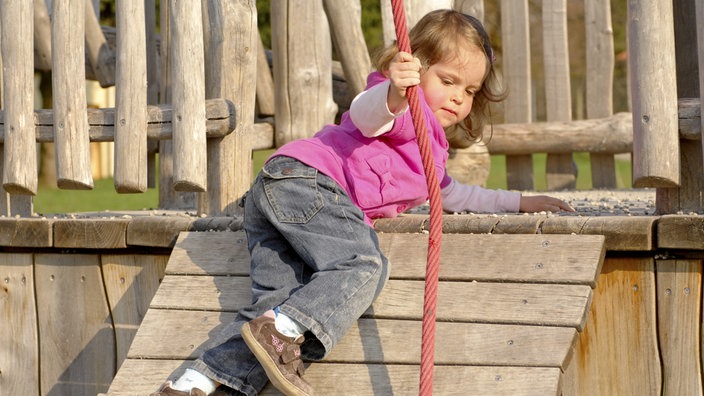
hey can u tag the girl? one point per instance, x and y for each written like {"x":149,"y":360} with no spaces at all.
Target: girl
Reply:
{"x":316,"y":265}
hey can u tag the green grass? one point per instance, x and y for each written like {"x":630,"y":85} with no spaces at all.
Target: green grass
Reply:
{"x":104,"y":197}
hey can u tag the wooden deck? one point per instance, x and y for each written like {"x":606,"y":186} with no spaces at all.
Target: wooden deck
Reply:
{"x":510,"y":307}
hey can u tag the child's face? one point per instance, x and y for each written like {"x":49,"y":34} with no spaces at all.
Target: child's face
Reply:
{"x":449,"y":85}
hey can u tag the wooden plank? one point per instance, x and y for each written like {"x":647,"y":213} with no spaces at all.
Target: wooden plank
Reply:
{"x":77,"y":344}
{"x":156,"y":231}
{"x":226,"y":254}
{"x":187,"y":94}
{"x":139,"y":376}
{"x":656,"y":153}
{"x":622,"y":233}
{"x":68,"y":74}
{"x":679,"y":295}
{"x":620,"y":337}
{"x":560,"y":168}
{"x":20,"y":151}
{"x":26,"y":232}
{"x":231,"y":67}
{"x":265,"y":83}
{"x":516,"y":65}
{"x":554,"y":258}
{"x":19,"y":355}
{"x":100,"y":233}
{"x":130,"y":169}
{"x":516,"y":303}
{"x":680,"y":232}
{"x":179,"y":334}
{"x":130,"y":282}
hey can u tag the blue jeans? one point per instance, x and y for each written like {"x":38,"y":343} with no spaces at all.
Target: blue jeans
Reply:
{"x":312,"y":254}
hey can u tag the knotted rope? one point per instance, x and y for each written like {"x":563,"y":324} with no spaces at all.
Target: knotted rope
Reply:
{"x":434,"y":240}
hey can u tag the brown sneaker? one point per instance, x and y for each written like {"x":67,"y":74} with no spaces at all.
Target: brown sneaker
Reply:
{"x":167,"y":390}
{"x":279,"y":355}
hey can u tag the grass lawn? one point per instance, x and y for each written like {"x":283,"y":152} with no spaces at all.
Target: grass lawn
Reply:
{"x":103,"y":196}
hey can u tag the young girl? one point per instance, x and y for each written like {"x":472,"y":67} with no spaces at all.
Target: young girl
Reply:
{"x":316,"y":265}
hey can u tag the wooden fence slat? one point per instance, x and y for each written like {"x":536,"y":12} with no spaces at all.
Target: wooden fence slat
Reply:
{"x":599,"y":84}
{"x":188,"y":94}
{"x":130,"y":172}
{"x":42,"y":36}
{"x":651,"y":50}
{"x":561,"y":172}
{"x":20,"y":152}
{"x":231,"y":39}
{"x":77,"y":344}
{"x":100,"y":56}
{"x":19,"y":355}
{"x":265,"y":81}
{"x":72,"y":150}
{"x":302,"y":69}
{"x":679,"y":295}
{"x":345,"y":20}
{"x":516,"y":63}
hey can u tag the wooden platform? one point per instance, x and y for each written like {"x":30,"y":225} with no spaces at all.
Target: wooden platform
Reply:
{"x":509,"y":310}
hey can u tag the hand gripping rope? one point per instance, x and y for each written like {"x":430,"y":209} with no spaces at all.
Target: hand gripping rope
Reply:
{"x":434,"y":240}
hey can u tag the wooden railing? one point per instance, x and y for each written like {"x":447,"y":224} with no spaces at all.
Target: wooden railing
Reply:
{"x":221,"y":60}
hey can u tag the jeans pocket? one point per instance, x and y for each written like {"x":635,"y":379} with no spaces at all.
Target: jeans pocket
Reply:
{"x":292,"y":190}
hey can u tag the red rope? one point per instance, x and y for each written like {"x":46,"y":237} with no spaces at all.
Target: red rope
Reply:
{"x":431,"y":273}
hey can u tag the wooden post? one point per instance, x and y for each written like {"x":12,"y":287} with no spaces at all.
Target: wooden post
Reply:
{"x":560,"y":169}
{"x":231,"y":70}
{"x":516,"y":64}
{"x":699,"y":11}
{"x":100,"y":56}
{"x":345,"y":19}
{"x":651,"y":56}
{"x":188,"y":94}
{"x":131,"y":99}
{"x":302,"y":69}
{"x":474,"y":8}
{"x":68,"y":85}
{"x":152,"y":83}
{"x":20,"y":152}
{"x":600,"y":78}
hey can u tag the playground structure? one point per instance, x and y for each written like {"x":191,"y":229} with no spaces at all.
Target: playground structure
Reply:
{"x":77,"y":289}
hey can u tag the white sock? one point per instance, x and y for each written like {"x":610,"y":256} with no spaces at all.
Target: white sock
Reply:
{"x":288,"y":326}
{"x":193,"y":379}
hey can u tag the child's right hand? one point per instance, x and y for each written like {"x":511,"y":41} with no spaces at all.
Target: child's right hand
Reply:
{"x":404,"y":72}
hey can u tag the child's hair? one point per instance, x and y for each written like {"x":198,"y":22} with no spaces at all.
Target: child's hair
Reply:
{"x":439,"y":35}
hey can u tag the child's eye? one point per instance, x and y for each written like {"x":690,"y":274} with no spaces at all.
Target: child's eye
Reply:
{"x":446,"y":81}
{"x":470,"y":92}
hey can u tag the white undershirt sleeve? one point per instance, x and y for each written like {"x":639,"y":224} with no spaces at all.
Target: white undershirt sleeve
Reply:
{"x":457,"y":197}
{"x":370,"y":113}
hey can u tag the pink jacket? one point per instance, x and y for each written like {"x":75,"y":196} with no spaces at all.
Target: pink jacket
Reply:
{"x":382,"y":175}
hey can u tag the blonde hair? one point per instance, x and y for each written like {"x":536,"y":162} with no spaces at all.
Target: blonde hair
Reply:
{"x":439,"y":35}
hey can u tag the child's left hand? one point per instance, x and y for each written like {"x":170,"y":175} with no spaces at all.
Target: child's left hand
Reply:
{"x":540,"y":203}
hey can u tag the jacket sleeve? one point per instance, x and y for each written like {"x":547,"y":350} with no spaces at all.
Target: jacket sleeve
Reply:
{"x":370,"y":113}
{"x":457,"y":197}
